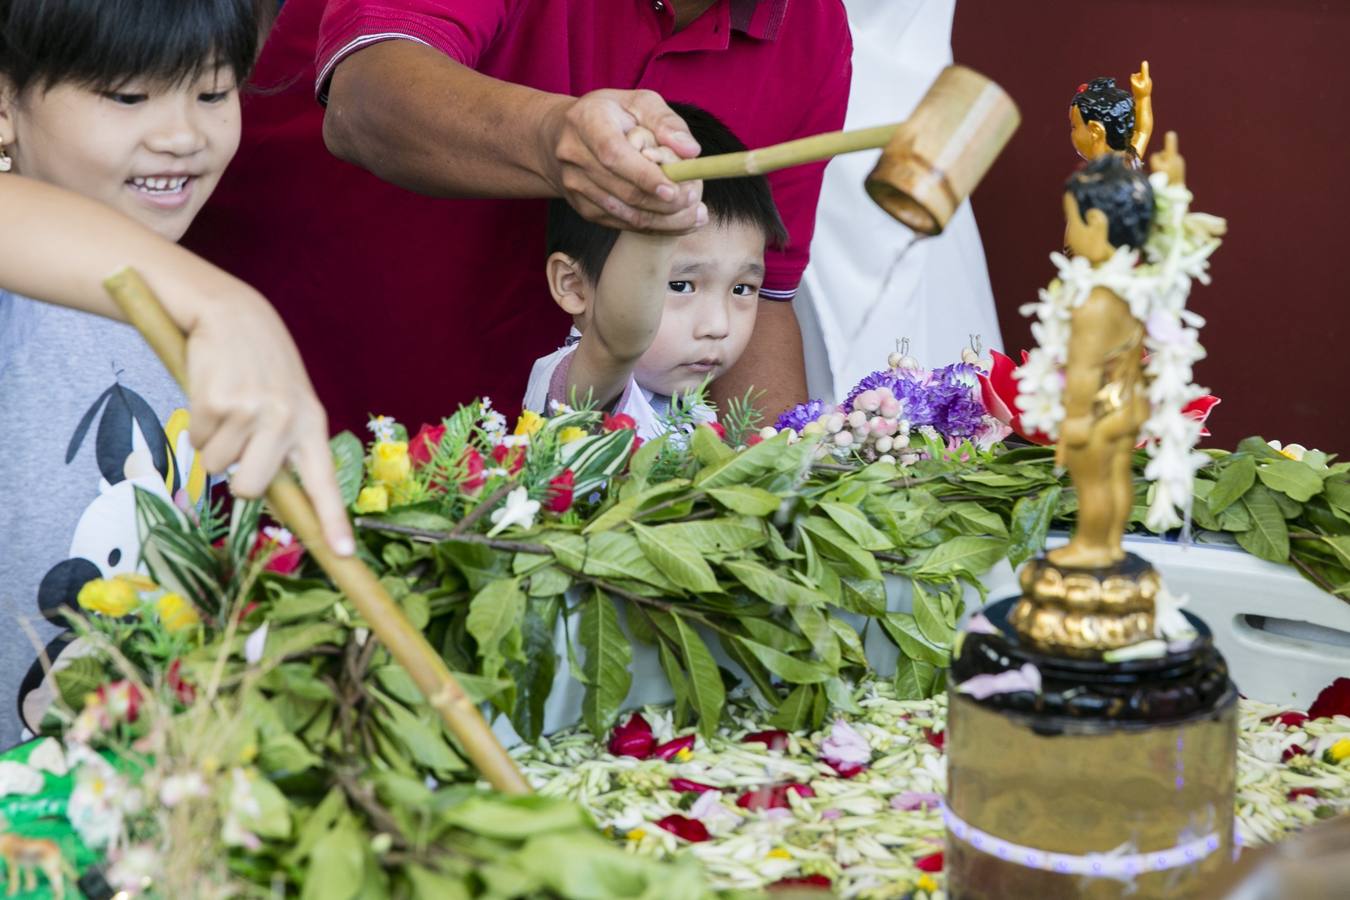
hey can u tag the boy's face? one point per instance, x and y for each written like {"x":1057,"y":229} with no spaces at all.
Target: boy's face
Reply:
{"x":154,"y":153}
{"x":711,"y":300}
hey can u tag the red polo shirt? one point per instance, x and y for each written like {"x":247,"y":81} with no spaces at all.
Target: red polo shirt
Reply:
{"x":407,"y":305}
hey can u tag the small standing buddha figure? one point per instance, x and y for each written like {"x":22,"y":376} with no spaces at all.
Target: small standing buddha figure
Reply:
{"x":1089,"y":595}
{"x":1104,"y":118}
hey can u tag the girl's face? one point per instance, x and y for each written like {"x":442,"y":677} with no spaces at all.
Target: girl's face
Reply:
{"x":152,"y":151}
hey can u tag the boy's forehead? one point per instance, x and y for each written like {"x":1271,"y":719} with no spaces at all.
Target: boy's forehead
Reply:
{"x":722,"y":244}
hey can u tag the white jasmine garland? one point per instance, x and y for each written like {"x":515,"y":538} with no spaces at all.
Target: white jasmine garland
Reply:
{"x":1177,"y":253}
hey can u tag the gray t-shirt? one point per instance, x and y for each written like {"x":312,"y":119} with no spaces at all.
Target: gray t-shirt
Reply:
{"x":87,"y":413}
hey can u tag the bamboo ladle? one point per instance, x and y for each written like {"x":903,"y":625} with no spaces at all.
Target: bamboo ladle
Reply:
{"x":460,"y":715}
{"x":931,"y":162}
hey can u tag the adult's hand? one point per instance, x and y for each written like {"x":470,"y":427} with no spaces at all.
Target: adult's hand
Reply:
{"x":602,"y":172}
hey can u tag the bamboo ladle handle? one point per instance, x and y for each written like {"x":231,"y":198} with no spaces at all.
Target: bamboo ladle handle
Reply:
{"x":407,"y":645}
{"x":780,"y":156}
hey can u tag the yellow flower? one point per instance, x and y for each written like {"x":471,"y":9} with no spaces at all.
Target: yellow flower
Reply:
{"x":109,"y":597}
{"x":571,"y":433}
{"x":926,"y":883}
{"x":389,"y":463}
{"x":374,"y":499}
{"x":637,"y":834}
{"x":176,"y":613}
{"x":1340,"y":751}
{"x":779,"y":853}
{"x":529,"y":422}
{"x":684,"y":755}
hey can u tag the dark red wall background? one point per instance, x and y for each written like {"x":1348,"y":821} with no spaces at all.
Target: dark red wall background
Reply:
{"x":1259,"y":93}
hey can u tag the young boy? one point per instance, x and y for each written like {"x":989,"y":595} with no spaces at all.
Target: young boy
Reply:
{"x":657,"y":315}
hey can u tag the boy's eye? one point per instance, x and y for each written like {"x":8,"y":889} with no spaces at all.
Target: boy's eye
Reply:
{"x":125,"y":99}
{"x":681,"y":287}
{"x":213,"y":96}
{"x":745,"y":290}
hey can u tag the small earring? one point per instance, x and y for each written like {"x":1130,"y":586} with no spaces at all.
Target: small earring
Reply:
{"x":5,"y":162}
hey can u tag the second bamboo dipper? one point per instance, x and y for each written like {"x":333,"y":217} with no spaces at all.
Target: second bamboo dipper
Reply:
{"x":387,"y":621}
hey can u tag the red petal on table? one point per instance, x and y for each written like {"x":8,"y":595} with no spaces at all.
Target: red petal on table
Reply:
{"x":930,"y":863}
{"x":685,"y":786}
{"x":1333,"y":701}
{"x":773,"y":796}
{"x":774,"y":740}
{"x":670,"y":748}
{"x":937,"y":738}
{"x":1290,"y":719}
{"x":1302,"y":792}
{"x":1291,"y":752}
{"x":846,"y":770}
{"x":818,"y":881}
{"x":632,"y":738}
{"x":691,"y":830}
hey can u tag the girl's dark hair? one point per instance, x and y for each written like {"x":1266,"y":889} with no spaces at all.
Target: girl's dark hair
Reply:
{"x":1119,"y":190}
{"x":745,"y":201}
{"x":1101,"y":101}
{"x":103,"y":44}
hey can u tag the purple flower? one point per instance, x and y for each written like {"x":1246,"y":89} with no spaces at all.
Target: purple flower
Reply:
{"x":801,"y":415}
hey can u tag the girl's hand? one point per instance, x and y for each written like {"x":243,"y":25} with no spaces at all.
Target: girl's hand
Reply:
{"x":253,"y":404}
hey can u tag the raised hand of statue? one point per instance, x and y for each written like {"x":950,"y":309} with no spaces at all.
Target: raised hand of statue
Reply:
{"x":1141,"y":83}
{"x":1169,"y":160}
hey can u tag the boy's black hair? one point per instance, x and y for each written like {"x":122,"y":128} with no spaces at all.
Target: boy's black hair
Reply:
{"x":1101,"y":101}
{"x":103,"y":44}
{"x":745,"y":200}
{"x":1111,"y":184}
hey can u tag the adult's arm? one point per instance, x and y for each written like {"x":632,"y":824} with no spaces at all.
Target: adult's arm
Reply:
{"x":414,"y":116}
{"x":252,"y":402}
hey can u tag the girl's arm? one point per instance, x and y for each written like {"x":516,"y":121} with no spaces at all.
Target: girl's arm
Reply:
{"x":252,"y":402}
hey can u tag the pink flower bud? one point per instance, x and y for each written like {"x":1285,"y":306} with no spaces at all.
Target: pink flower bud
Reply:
{"x":900,"y":441}
{"x":857,"y":419}
{"x":883,"y":445}
{"x":843,"y":439}
{"x":882,"y":427}
{"x":834,"y":423}
{"x":867,"y":401}
{"x":889,"y":408}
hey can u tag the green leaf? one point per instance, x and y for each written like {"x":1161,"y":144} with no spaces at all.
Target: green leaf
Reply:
{"x":516,"y":818}
{"x":718,"y":537}
{"x":78,"y":679}
{"x":840,"y":695}
{"x":855,"y":525}
{"x":1235,"y":480}
{"x":336,"y":865}
{"x":1268,"y":537}
{"x":835,"y":543}
{"x":904,"y":630}
{"x":705,"y":681}
{"x":608,"y":655}
{"x":597,"y":458}
{"x":494,"y":614}
{"x":816,"y":627}
{"x":1340,"y":544}
{"x":767,"y":633}
{"x":1258,"y":449}
{"x":796,"y":710}
{"x":420,"y":516}
{"x":284,"y":754}
{"x":972,"y":518}
{"x":315,"y":825}
{"x":641,"y":464}
{"x":788,"y":668}
{"x":746,"y":466}
{"x":627,"y":508}
{"x":1291,"y":478}
{"x":677,"y":559}
{"x":1031,"y":517}
{"x":425,"y":743}
{"x":914,"y":680}
{"x":349,"y":459}
{"x":928,"y":615}
{"x":863,"y":596}
{"x":679,"y":682}
{"x":533,"y":675}
{"x":428,"y":883}
{"x":708,"y":448}
{"x":746,"y":500}
{"x":1338,"y":493}
{"x":966,"y":554}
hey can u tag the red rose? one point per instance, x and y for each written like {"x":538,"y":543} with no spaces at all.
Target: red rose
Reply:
{"x":998,"y":392}
{"x":1199,"y":409}
{"x":183,"y":690}
{"x":282,"y":554}
{"x":774,"y":740}
{"x":937,"y":738}
{"x":618,"y":422}
{"x":774,"y":796}
{"x":845,"y":769}
{"x":422,"y":447}
{"x":691,"y":830}
{"x":751,"y":441}
{"x":930,"y":863}
{"x":633,"y":738}
{"x":471,"y":465}
{"x":1333,"y":701}
{"x":685,"y":786}
{"x":512,"y":459}
{"x":560,"y":492}
{"x":1289,"y":719}
{"x":718,"y":429}
{"x":800,"y":881}
{"x":1302,"y":792}
{"x":670,"y":748}
{"x":1291,"y":751}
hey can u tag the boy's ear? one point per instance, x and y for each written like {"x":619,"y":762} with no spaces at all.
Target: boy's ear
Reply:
{"x":569,"y":287}
{"x":8,"y":99}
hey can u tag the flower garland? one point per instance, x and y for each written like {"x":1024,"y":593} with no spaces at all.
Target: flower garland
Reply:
{"x":1177,"y":253}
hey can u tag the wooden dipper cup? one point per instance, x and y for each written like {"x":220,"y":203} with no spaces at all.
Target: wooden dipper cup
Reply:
{"x":931,"y":162}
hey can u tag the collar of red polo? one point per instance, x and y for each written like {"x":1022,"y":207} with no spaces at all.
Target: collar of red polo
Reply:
{"x":759,"y":18}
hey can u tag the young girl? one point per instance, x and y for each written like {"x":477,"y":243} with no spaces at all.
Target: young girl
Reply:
{"x":133,"y":103}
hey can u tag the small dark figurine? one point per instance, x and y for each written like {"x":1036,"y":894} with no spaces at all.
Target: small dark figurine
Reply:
{"x":1104,"y":118}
